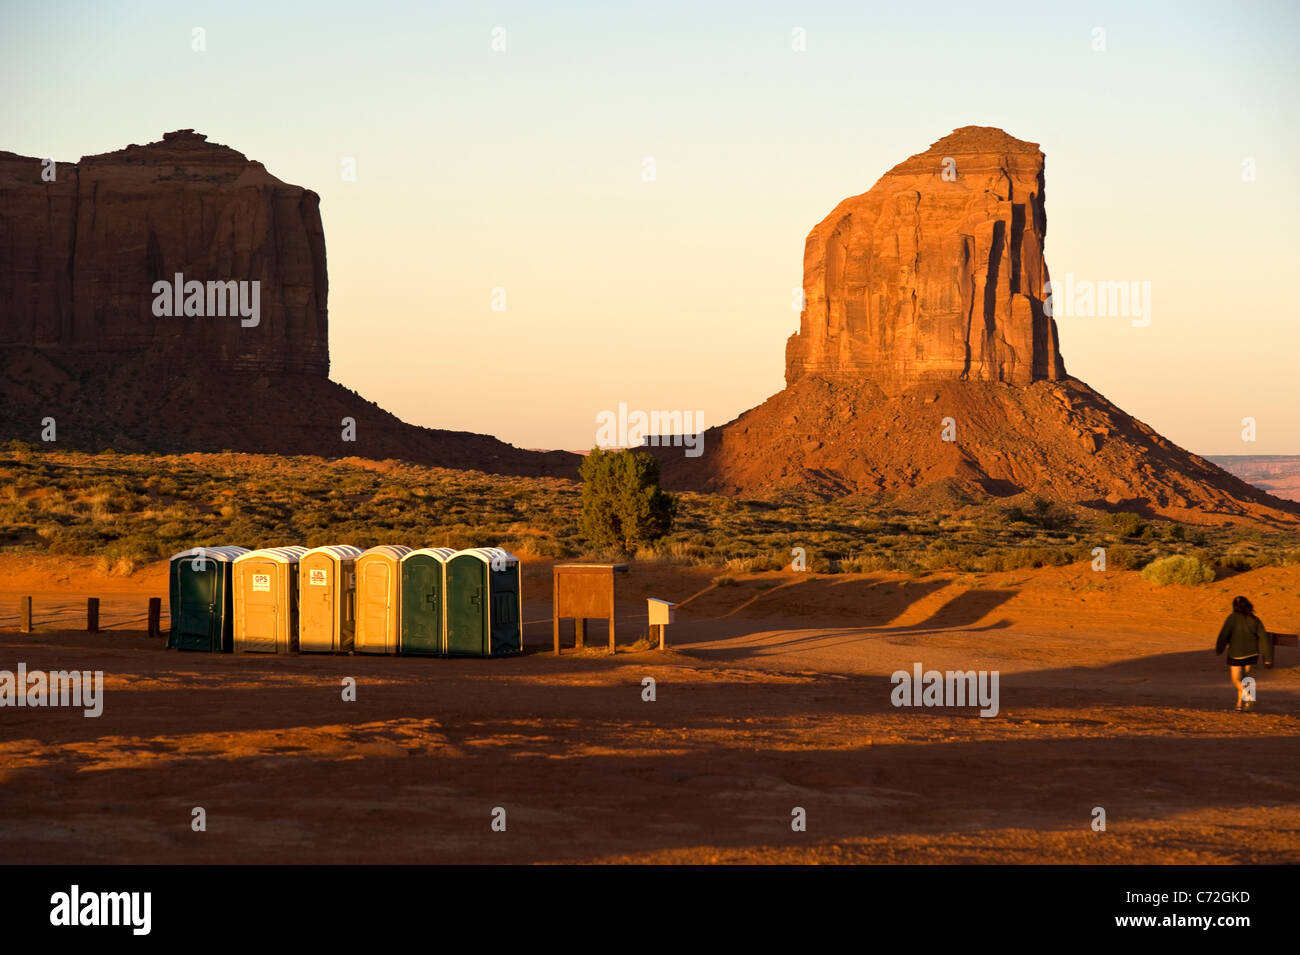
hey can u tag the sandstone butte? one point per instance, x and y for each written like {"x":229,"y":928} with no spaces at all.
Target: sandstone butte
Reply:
{"x":79,"y":341}
{"x":923,"y":301}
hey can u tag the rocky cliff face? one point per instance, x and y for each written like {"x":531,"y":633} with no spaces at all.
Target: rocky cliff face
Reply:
{"x":81,"y":254}
{"x":925,"y":372}
{"x":937,"y":272}
{"x":80,"y":343}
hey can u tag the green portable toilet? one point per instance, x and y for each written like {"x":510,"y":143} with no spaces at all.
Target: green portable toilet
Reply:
{"x":420,"y":619}
{"x":201,"y":599}
{"x":484,"y":603}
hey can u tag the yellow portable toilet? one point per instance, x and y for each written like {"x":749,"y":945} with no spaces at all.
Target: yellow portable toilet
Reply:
{"x":327,"y":590}
{"x":379,"y":598}
{"x":266,"y":600}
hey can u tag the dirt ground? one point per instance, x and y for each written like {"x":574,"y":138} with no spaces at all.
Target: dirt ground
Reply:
{"x":775,"y":695}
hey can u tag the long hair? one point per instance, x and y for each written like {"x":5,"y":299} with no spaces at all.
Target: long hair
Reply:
{"x":1242,"y":605}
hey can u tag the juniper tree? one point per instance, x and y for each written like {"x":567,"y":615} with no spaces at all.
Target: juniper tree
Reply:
{"x":623,"y":505}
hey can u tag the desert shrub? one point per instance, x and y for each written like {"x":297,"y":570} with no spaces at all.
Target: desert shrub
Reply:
{"x":1040,"y":512}
{"x":949,"y":558}
{"x":690,"y":550}
{"x":1233,"y":562}
{"x":725,"y":581}
{"x":1124,"y":524}
{"x":139,"y":548}
{"x":748,"y":565}
{"x":867,"y":563}
{"x":1178,"y":569}
{"x":172,"y":530}
{"x":622,"y":502}
{"x":115,"y":567}
{"x":1020,"y":558}
{"x":1251,"y":561}
{"x":1122,"y":558}
{"x":535,"y":547}
{"x":314,"y":518}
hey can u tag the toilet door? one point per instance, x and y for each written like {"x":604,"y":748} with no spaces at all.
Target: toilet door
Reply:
{"x":261,"y":609}
{"x":317,"y":582}
{"x":375,"y":632}
{"x":421,"y":606}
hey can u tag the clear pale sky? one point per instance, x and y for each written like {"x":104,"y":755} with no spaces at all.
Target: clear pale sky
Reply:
{"x":523,"y":169}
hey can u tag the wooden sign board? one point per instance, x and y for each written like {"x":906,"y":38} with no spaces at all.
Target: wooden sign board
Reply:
{"x":583,"y":592}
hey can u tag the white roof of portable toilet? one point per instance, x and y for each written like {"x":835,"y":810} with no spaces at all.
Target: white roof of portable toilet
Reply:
{"x":491,"y":555}
{"x":337,"y":551}
{"x":395,"y":551}
{"x":220,"y":554}
{"x":281,"y":555}
{"x":438,"y":553}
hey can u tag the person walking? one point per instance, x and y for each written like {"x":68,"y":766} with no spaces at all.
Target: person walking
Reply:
{"x":1244,"y":637}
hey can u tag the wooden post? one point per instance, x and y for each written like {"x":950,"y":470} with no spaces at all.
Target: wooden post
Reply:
{"x":555,"y":624}
{"x":579,"y":633}
{"x":611,"y":632}
{"x":661,"y":635}
{"x":25,"y":614}
{"x":155,"y":616}
{"x":92,"y":615}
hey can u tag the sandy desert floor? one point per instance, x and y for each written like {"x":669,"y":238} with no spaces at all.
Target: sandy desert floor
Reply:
{"x":775,"y":695}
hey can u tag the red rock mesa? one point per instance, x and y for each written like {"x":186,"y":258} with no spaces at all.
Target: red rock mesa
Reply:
{"x":79,"y":342}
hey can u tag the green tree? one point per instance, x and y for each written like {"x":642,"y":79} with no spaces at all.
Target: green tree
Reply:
{"x":622,"y":502}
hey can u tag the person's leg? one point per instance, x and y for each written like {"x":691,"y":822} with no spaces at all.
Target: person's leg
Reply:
{"x":1250,"y":703}
{"x":1235,"y":673}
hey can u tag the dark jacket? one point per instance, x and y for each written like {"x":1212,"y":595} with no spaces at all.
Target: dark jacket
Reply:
{"x":1244,"y":636}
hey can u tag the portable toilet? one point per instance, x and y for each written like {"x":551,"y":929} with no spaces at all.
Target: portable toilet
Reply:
{"x":266,"y":600}
{"x":379,"y":598}
{"x":200,"y":594}
{"x":421,"y":616}
{"x":327,"y":590}
{"x":484,"y":603}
